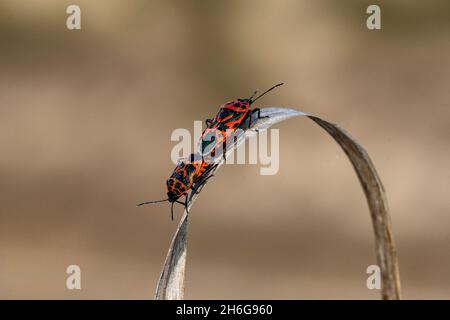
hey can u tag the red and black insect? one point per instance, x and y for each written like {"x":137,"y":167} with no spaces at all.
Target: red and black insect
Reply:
{"x":231,"y":116}
{"x":189,"y":174}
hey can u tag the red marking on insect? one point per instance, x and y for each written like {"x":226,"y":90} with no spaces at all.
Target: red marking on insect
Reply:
{"x":188,"y":172}
{"x":231,"y":116}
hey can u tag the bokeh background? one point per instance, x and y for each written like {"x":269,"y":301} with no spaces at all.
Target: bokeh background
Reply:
{"x":85,"y":124}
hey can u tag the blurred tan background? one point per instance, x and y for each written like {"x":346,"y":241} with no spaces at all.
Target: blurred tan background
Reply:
{"x":85,"y":124}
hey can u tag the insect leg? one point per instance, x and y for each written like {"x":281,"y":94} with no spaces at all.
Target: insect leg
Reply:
{"x":224,"y":148}
{"x":171,"y":209}
{"x":186,"y":204}
{"x":194,"y":189}
{"x":258,"y":110}
{"x":202,"y":182}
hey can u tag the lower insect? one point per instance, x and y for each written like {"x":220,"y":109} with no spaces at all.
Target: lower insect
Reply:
{"x":189,"y":174}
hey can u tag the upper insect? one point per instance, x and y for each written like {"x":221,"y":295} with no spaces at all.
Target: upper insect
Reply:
{"x":231,"y":116}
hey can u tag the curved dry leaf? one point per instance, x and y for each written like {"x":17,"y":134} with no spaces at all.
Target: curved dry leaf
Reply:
{"x":171,"y":282}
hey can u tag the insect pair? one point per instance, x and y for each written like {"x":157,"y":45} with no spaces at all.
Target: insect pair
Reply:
{"x":193,"y":172}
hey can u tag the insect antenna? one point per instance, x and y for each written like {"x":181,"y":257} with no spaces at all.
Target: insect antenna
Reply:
{"x":268,"y":90}
{"x":171,"y":207}
{"x":149,"y":202}
{"x":254,"y":93}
